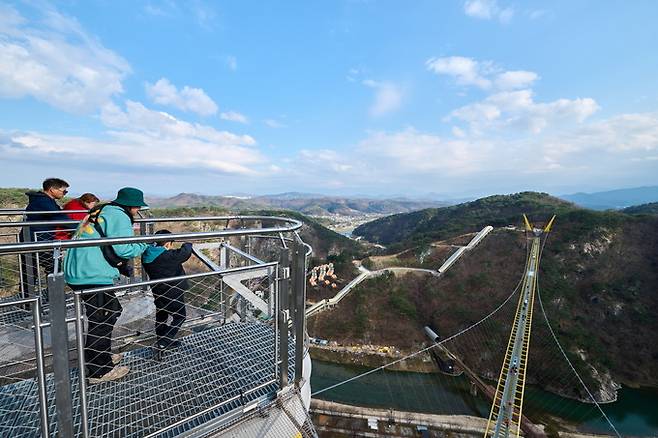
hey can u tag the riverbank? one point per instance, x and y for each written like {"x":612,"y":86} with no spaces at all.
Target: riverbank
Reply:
{"x":373,"y":356}
{"x":338,"y":419}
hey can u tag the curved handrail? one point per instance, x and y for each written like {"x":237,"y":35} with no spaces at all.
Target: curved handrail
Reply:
{"x":152,"y":220}
{"x":25,"y":247}
{"x":22,"y":211}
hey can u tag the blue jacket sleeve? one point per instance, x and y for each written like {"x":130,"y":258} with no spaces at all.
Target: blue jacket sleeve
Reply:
{"x":182,"y":254}
{"x":119,"y":225}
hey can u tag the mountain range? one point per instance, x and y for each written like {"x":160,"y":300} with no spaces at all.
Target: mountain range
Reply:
{"x":308,"y":204}
{"x":614,"y":199}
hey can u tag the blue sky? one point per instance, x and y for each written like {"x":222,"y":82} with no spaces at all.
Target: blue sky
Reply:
{"x":460,"y":98}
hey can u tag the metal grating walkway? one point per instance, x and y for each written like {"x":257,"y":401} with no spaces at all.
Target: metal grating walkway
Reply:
{"x":209,"y":367}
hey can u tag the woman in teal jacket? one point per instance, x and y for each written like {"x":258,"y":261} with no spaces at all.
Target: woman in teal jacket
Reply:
{"x":87,"y":268}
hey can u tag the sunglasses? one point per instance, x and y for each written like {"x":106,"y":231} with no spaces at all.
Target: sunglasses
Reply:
{"x":64,"y":191}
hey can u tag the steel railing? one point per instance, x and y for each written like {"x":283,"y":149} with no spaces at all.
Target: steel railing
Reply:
{"x":286,"y":279}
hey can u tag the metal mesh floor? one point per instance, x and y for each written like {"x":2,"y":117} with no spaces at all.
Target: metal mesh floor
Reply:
{"x":208,"y":368}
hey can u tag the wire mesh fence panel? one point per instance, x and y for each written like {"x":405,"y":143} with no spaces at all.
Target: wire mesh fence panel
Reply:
{"x":177,"y":357}
{"x":20,"y":402}
{"x":10,"y":277}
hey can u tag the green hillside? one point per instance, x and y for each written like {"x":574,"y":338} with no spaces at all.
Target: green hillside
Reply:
{"x":651,"y":208}
{"x":411,"y":229}
{"x":598,"y":280}
{"x":13,"y":197}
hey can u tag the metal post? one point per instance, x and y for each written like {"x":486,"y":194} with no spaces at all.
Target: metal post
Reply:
{"x":28,"y":260}
{"x":82,"y":373}
{"x":143,"y":230}
{"x":283,"y":313}
{"x":57,"y":255}
{"x":299,"y":291}
{"x":41,"y":372}
{"x":60,"y":345}
{"x":271,"y":292}
{"x":222,"y":258}
{"x":37,"y":280}
{"x":22,"y":288}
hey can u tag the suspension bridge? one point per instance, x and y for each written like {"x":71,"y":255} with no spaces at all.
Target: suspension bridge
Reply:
{"x":506,"y":416}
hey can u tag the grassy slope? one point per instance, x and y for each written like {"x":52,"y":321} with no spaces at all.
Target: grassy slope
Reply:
{"x":13,"y":197}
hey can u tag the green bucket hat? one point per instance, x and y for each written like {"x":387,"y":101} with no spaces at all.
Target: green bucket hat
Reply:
{"x":130,"y":197}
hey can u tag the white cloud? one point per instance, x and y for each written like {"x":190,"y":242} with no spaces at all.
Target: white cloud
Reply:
{"x":191,"y":99}
{"x":55,"y":61}
{"x":458,"y":132}
{"x":511,"y":80}
{"x":618,"y":150}
{"x":511,"y":104}
{"x":234,"y":116}
{"x":411,"y":151}
{"x":388,"y":97}
{"x":466,"y":71}
{"x":517,"y":109}
{"x":274,"y":123}
{"x":482,"y":74}
{"x":323,"y":160}
{"x":144,"y":138}
{"x":487,"y":10}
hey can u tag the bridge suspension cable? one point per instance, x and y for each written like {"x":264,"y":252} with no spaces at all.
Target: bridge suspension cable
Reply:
{"x":564,"y":354}
{"x":423,"y":350}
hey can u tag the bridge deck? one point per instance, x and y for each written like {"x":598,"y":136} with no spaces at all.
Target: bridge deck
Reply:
{"x":222,"y":367}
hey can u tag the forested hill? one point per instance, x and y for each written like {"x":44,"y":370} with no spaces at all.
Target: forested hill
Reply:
{"x":651,"y":208}
{"x":411,"y":229}
{"x":598,"y":279}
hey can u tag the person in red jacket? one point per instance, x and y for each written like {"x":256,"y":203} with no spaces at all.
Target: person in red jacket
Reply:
{"x":85,"y":202}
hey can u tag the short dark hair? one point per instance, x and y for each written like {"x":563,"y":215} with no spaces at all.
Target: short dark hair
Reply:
{"x":53,"y":183}
{"x":163,"y":231}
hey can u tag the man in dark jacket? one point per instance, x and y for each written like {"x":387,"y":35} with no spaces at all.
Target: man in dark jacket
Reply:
{"x":54,"y":189}
{"x":161,"y":261}
{"x":46,"y":200}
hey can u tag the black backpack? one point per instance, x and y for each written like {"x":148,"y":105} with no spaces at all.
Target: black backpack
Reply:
{"x":109,"y":254}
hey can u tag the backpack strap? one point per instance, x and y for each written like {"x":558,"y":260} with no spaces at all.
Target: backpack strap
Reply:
{"x":94,"y":214}
{"x":109,"y":254}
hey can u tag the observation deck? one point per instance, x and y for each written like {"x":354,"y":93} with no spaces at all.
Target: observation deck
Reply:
{"x":241,"y":369}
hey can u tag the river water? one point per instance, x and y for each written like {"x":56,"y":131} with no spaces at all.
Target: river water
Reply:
{"x":635,"y":412}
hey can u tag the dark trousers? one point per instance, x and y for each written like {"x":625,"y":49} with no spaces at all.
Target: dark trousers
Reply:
{"x":169,"y":301}
{"x":102,"y":310}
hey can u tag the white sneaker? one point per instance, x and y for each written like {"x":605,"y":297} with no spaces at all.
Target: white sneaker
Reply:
{"x":116,"y":358}
{"x":115,"y":374}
